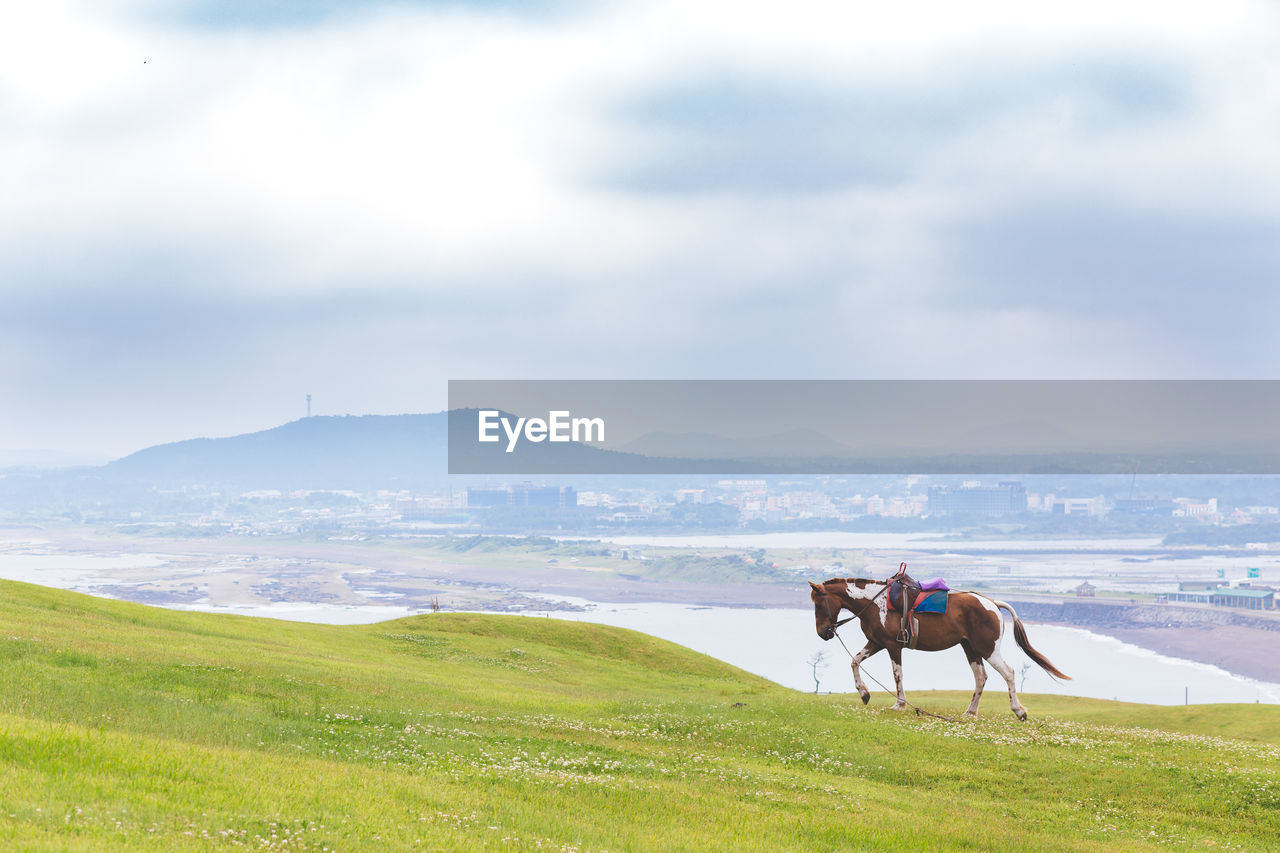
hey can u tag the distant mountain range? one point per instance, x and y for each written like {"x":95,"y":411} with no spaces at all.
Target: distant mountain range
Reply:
{"x":369,"y":452}
{"x":319,"y":452}
{"x":793,"y":444}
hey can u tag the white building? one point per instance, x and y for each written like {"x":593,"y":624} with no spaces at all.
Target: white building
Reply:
{"x":1096,"y":506}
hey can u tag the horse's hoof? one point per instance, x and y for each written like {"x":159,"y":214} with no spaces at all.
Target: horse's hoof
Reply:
{"x":1022,"y":715}
{"x":866,"y":697}
{"x":898,"y":706}
{"x":970,"y":714}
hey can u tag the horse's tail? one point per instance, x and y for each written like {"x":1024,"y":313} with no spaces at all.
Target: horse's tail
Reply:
{"x":1020,"y":636}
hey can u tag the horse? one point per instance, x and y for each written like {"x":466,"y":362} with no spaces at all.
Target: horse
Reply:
{"x":972,"y":621}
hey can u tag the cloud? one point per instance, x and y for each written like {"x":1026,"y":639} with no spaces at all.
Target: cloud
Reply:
{"x":285,"y":14}
{"x":1074,"y":257}
{"x":363,"y":200}
{"x":763,"y":135}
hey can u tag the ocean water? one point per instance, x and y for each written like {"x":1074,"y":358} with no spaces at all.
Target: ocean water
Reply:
{"x":80,"y":572}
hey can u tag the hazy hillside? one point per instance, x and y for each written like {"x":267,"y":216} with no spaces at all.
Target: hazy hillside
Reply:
{"x":349,"y":452}
{"x":322,"y":452}
{"x":126,"y":727}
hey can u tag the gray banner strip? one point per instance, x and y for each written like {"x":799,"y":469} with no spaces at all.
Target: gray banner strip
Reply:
{"x":864,"y":426}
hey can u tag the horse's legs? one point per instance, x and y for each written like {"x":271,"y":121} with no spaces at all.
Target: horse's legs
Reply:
{"x":979,"y":676}
{"x":867,"y":651}
{"x":1007,"y":671}
{"x":896,"y":656}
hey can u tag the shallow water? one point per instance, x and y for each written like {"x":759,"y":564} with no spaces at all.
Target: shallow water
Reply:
{"x":79,"y":572}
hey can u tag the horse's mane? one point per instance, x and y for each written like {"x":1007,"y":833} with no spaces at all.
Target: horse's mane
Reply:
{"x":847,"y":581}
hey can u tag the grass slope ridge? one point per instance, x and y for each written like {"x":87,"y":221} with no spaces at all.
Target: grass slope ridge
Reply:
{"x":128,"y":727}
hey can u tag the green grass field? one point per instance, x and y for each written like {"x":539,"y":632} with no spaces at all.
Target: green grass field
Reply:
{"x":128,"y":727}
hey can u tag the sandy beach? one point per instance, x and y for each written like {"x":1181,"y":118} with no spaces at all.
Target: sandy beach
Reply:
{"x":1250,"y":652}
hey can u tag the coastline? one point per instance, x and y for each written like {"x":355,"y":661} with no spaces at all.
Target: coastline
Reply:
{"x":1240,"y":642}
{"x":1249,"y":652}
{"x":292,"y":578}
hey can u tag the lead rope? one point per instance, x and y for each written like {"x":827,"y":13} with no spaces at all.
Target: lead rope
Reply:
{"x":920,"y":712}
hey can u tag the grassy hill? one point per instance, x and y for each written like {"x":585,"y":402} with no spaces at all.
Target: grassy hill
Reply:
{"x":127,"y":727}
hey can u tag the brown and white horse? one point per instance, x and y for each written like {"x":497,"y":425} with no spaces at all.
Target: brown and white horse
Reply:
{"x":972,"y":621}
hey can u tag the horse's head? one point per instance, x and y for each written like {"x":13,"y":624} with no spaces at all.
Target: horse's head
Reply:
{"x":852,"y":594}
{"x":826,"y":609}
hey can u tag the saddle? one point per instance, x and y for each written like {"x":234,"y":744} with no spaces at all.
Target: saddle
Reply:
{"x":909,"y":597}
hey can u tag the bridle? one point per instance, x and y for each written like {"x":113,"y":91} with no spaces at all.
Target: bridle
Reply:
{"x":858,"y":613}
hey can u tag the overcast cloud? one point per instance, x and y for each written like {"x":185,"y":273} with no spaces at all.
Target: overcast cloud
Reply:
{"x":210,"y":209}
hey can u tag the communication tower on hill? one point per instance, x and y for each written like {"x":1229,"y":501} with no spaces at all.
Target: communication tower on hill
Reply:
{"x":308,"y":405}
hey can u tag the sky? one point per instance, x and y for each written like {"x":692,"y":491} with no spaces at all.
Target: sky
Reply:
{"x":211,"y":208}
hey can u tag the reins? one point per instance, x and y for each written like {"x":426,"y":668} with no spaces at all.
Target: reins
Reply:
{"x":919,"y":711}
{"x":850,"y":618}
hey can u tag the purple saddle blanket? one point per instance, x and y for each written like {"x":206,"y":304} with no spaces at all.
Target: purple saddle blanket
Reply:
{"x":932,"y":597}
